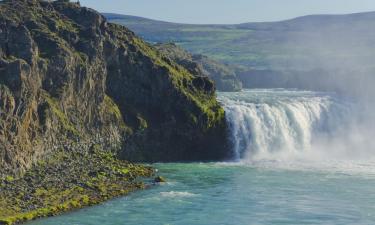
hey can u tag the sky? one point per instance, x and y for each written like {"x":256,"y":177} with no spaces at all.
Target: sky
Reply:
{"x":228,"y":11}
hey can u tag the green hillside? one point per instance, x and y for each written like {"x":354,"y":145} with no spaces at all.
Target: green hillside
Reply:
{"x":309,"y":41}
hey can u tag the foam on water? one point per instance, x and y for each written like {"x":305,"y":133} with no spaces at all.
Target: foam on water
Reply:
{"x":297,"y":130}
{"x":365,"y":168}
{"x":177,"y":194}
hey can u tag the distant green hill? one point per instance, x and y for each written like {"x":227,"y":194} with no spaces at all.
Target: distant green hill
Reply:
{"x":321,"y":52}
{"x":307,"y":41}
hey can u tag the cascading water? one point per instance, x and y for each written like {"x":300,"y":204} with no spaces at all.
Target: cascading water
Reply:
{"x":278,"y":123}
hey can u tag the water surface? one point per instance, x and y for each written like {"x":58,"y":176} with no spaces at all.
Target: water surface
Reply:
{"x":240,"y":194}
{"x":293,"y":165}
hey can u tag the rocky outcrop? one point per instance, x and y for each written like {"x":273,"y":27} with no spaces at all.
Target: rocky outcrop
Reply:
{"x":224,"y":76}
{"x":70,"y":81}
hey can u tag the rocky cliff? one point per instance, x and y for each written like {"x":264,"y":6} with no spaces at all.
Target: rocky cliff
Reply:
{"x":224,"y":76}
{"x":71,"y":81}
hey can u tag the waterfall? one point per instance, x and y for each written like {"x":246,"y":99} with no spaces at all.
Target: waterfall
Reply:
{"x":278,"y":123}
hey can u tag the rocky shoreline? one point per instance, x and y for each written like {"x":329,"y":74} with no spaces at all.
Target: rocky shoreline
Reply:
{"x":68,"y":181}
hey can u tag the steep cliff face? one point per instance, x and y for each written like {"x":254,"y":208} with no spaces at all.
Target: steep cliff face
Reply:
{"x":71,"y":81}
{"x":224,"y":76}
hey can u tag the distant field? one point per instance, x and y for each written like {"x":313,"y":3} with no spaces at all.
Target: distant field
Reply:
{"x":321,"y":53}
{"x":304,"y":43}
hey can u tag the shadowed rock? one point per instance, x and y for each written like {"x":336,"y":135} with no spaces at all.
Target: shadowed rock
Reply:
{"x":70,"y":80}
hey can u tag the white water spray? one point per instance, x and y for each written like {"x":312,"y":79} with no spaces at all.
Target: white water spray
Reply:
{"x":280,"y":124}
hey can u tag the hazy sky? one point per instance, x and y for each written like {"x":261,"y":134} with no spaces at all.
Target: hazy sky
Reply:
{"x":228,"y":11}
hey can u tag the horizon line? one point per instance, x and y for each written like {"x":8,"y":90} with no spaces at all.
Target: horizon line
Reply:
{"x":271,"y":21}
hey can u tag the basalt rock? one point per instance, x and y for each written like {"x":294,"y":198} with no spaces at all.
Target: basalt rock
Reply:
{"x":70,"y":81}
{"x":159,"y":179}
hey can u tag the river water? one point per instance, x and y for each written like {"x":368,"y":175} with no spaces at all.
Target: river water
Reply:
{"x":290,"y":168}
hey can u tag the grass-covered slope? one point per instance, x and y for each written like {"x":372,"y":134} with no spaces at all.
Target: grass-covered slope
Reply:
{"x":269,"y":45}
{"x":211,"y":40}
{"x":223,"y":75}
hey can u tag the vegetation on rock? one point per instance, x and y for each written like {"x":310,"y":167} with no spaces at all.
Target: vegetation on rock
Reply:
{"x":61,"y":183}
{"x":223,"y":75}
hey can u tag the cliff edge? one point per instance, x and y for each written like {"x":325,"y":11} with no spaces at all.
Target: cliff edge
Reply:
{"x":77,"y":96}
{"x":70,"y":80}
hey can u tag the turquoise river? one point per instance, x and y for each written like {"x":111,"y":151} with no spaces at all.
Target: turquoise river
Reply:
{"x":295,"y":164}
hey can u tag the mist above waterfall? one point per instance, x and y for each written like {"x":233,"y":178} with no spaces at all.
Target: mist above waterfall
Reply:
{"x":333,"y":56}
{"x":341,"y":49}
{"x":279,"y":124}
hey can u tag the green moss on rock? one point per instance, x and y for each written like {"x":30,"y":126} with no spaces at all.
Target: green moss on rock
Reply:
{"x":67,"y":181}
{"x":62,"y":118}
{"x":223,"y":75}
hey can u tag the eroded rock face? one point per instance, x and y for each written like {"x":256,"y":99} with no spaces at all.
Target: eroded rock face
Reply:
{"x":70,"y":80}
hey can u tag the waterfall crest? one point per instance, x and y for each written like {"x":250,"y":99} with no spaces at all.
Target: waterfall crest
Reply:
{"x":279,"y":123}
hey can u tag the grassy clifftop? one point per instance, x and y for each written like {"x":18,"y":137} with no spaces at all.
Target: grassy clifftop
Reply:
{"x":223,"y":75}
